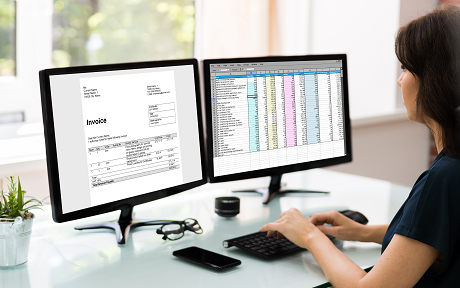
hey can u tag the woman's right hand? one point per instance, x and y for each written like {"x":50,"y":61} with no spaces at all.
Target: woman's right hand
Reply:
{"x":342,"y":227}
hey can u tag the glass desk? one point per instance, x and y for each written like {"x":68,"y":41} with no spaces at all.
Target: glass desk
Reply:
{"x":60,"y":256}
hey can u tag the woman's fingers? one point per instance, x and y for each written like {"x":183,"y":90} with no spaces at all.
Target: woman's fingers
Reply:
{"x":270,"y":227}
{"x":294,"y":226}
{"x":342,"y":227}
{"x":328,"y":230}
{"x":328,"y":217}
{"x":279,"y":236}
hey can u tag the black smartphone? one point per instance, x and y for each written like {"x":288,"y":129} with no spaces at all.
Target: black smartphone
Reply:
{"x":206,"y":258}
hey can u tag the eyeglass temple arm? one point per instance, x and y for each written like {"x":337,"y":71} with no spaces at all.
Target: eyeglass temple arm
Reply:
{"x":193,"y":229}
{"x":152,"y":222}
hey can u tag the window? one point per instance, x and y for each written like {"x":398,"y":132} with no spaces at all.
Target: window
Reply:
{"x":8,"y":37}
{"x":113,"y":31}
{"x":58,"y":33}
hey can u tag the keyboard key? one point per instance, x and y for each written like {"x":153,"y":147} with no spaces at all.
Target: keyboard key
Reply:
{"x":292,"y":246}
{"x":267,"y":246}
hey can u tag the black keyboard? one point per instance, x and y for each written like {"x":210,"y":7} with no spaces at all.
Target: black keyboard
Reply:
{"x":259,"y":244}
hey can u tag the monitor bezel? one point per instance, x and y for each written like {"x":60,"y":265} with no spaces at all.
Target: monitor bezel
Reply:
{"x":286,"y":168}
{"x":50,"y":140}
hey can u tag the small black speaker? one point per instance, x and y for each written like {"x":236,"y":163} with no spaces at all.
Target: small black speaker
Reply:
{"x":227,"y":206}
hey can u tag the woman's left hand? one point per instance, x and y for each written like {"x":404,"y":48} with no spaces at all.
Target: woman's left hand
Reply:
{"x":294,"y":226}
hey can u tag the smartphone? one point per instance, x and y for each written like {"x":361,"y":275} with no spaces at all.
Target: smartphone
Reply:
{"x":206,"y":258}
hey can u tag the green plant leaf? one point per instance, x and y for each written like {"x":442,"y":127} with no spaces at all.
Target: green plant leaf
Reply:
{"x":20,"y":196}
{"x":14,"y":204}
{"x":36,"y":205}
{"x":15,"y":214}
{"x":11,"y":185}
{"x":32,"y":200}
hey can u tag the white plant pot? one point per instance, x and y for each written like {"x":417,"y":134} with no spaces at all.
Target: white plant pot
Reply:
{"x":14,"y":242}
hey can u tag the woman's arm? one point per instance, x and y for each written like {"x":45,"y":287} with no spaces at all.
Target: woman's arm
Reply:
{"x":401,"y":265}
{"x":346,"y":229}
{"x":373,"y":233}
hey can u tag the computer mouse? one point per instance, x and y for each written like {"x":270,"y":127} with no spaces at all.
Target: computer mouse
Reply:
{"x":355,"y":216}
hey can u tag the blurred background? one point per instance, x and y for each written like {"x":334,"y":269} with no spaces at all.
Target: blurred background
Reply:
{"x":40,"y":34}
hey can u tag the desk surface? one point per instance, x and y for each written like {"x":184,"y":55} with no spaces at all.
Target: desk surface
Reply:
{"x":60,"y":256}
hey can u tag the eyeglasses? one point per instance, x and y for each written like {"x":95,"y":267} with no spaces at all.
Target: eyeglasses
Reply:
{"x":174,"y":230}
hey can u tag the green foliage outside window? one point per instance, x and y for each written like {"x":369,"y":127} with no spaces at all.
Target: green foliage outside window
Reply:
{"x":112,"y":31}
{"x":7,"y":37}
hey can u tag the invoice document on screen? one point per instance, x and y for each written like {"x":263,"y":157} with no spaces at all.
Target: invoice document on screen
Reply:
{"x":131,"y":134}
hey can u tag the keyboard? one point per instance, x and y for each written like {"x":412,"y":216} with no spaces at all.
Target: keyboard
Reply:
{"x":260,"y":245}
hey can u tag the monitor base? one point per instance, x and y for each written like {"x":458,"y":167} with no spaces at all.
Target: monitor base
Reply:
{"x":275,"y":189}
{"x":122,"y":226}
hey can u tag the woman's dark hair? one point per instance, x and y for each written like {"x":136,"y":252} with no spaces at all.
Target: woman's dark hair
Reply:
{"x":429,"y":48}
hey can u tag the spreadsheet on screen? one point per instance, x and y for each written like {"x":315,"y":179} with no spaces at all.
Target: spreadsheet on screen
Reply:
{"x":271,"y":114}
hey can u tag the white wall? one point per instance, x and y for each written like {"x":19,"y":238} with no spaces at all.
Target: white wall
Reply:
{"x":385,"y":147}
{"x":34,"y":182}
{"x":236,"y":28}
{"x":365,"y":31}
{"x":294,"y":26}
{"x":393,"y":149}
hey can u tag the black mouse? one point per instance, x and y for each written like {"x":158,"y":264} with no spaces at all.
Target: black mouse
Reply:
{"x":355,"y":216}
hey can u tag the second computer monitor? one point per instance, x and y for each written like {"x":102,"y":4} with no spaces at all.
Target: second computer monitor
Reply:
{"x":272,"y":115}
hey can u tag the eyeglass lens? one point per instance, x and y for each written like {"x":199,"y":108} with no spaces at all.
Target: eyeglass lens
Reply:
{"x":193,"y":225}
{"x":173,"y":231}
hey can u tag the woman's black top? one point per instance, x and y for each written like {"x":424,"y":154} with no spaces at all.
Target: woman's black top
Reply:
{"x":431,"y":214}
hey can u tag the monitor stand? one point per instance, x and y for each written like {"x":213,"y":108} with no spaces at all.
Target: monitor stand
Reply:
{"x":275,"y":189}
{"x":122,"y":226}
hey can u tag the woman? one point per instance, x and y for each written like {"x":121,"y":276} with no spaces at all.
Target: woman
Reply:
{"x":421,"y":246}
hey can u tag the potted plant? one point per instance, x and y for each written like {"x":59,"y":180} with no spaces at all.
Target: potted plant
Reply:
{"x":15,"y":224}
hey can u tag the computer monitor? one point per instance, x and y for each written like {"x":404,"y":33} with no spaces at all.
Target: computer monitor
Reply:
{"x":267,"y":116}
{"x":120,"y":135}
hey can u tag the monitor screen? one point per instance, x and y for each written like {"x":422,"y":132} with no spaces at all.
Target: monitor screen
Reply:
{"x":121,"y":131}
{"x":276,"y":112}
